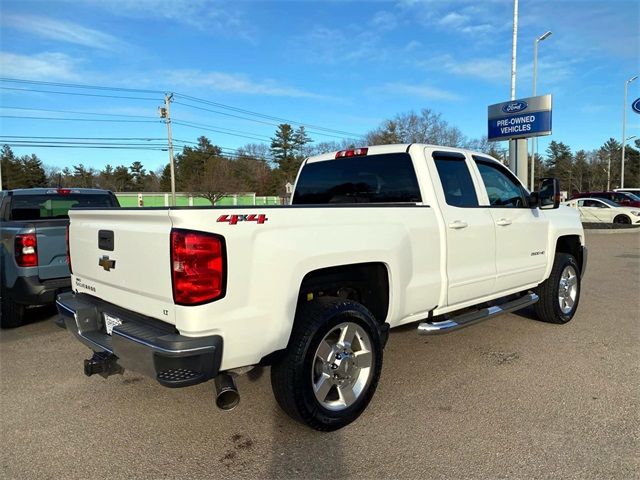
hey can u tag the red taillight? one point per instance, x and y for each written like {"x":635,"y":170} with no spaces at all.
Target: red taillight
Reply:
{"x":197,"y":267}
{"x":64,"y":191}
{"x":354,"y":152}
{"x":26,"y":250}
{"x":68,"y":251}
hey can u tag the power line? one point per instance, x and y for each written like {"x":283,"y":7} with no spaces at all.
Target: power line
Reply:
{"x":202,"y":127}
{"x":76,"y":85}
{"x":80,"y":119}
{"x":77,"y":93}
{"x":36,"y":145}
{"x":95,"y":138}
{"x":254,"y":120}
{"x":262,"y":115}
{"x":75,"y":112}
{"x":318,"y":128}
{"x":76,"y":142}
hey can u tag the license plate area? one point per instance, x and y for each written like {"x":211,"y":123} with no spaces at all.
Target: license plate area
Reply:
{"x":109,"y":322}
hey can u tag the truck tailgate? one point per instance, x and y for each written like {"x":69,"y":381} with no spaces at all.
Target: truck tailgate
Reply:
{"x":52,"y":249}
{"x":123,"y":257}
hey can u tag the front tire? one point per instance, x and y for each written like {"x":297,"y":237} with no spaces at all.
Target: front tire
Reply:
{"x":560,"y":293}
{"x":332,"y":365}
{"x":622,"y":220}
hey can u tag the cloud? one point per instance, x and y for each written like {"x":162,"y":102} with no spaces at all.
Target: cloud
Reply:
{"x":42,"y":66}
{"x":453,"y":19}
{"x":488,"y":68}
{"x":426,"y":92}
{"x":62,"y":31}
{"x":332,"y":46}
{"x":212,"y":16}
{"x":384,"y":20}
{"x":234,"y":83}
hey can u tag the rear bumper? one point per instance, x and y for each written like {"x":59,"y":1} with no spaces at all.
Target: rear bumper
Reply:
{"x":140,"y":343}
{"x":33,"y":291}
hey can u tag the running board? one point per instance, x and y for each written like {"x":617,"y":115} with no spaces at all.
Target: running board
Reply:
{"x":470,"y":318}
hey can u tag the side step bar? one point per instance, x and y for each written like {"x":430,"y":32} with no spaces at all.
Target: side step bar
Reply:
{"x":470,"y":318}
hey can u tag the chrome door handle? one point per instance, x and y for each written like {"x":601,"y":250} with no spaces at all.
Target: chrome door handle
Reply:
{"x":457,"y":224}
{"x":503,"y":222}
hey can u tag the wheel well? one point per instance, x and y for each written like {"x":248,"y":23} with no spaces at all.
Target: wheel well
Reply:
{"x":365,"y":283}
{"x":570,"y":244}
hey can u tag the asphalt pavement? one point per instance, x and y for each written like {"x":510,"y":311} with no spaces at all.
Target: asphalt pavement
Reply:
{"x":508,"y":398}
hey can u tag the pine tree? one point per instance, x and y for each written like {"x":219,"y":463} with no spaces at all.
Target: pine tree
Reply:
{"x":33,"y":172}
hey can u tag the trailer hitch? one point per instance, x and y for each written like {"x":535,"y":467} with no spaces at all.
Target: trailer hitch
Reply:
{"x":102,"y":363}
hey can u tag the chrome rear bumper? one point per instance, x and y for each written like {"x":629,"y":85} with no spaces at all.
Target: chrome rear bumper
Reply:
{"x":140,"y":343}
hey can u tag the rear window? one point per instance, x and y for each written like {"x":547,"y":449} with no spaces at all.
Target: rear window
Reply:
{"x":388,"y":178}
{"x":51,"y":206}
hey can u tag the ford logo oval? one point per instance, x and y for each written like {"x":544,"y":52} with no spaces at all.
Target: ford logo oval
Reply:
{"x":514,"y":107}
{"x":636,"y":105}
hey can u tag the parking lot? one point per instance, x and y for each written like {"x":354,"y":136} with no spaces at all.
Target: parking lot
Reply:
{"x":509,"y":398}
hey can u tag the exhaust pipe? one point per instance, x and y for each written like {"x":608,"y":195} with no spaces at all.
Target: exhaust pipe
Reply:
{"x":227,"y":396}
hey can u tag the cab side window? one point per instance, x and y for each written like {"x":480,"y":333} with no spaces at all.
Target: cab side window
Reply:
{"x":455,"y":178}
{"x":503,"y":189}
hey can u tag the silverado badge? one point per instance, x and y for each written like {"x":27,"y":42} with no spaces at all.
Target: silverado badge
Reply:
{"x":105,"y":263}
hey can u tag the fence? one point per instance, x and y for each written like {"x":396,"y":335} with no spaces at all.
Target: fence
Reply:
{"x":162,"y":199}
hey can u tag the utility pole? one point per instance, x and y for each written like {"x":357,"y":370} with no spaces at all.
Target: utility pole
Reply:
{"x":534,"y":141}
{"x":165,"y":112}
{"x":624,"y":126}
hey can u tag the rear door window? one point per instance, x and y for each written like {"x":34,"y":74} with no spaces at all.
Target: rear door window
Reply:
{"x":54,"y":206}
{"x":387,"y":178}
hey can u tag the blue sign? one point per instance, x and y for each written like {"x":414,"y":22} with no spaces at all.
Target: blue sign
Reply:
{"x":522,"y":118}
{"x":636,"y":105}
{"x":519,"y":126}
{"x":514,"y":107}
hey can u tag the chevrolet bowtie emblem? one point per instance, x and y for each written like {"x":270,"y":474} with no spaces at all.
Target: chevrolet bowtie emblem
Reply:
{"x":107,"y":264}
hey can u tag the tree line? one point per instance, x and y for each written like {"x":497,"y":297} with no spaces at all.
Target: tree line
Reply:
{"x":206,"y":170}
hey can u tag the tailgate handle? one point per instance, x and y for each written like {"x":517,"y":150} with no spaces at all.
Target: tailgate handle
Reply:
{"x":105,"y":240}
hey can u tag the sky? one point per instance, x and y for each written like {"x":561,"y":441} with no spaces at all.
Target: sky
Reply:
{"x":337,"y":65}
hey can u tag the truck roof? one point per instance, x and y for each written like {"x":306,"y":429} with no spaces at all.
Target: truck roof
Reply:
{"x":395,"y":148}
{"x":51,"y":190}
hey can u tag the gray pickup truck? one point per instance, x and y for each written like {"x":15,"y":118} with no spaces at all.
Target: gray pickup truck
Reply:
{"x":33,"y":257}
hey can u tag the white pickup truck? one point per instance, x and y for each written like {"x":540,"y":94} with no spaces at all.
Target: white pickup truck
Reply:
{"x":375,"y":238}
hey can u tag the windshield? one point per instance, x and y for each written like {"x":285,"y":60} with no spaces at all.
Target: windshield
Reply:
{"x":52,"y":206}
{"x":631,"y":196}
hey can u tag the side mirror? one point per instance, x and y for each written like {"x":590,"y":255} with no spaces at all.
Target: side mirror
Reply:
{"x":533,"y":200}
{"x":549,"y":193}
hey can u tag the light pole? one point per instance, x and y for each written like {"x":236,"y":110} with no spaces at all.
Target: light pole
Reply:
{"x":624,"y":126}
{"x":534,"y":140}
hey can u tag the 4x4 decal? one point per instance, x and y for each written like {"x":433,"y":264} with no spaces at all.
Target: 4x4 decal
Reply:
{"x":234,"y":219}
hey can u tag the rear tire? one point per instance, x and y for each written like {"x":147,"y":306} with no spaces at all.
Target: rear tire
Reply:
{"x":11,"y":313}
{"x":622,"y":220}
{"x":330,"y":370}
{"x":560,"y":293}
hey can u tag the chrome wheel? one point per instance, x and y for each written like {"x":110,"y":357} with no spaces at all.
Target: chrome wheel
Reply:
{"x":342,"y":366}
{"x":568,"y":289}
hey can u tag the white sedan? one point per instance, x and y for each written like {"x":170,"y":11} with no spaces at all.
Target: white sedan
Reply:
{"x":601,"y":210}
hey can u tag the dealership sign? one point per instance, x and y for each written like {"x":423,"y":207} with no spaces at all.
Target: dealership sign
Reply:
{"x":636,"y":105}
{"x":526,"y":117}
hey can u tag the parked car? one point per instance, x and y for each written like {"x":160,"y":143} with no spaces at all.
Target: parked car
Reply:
{"x":375,"y":238}
{"x":622,"y":198}
{"x":634,"y":191}
{"x":601,"y":210}
{"x":33,"y":259}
